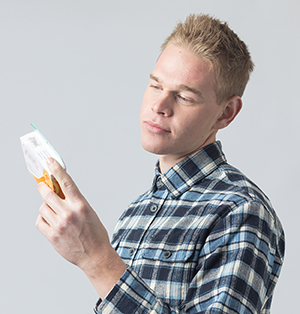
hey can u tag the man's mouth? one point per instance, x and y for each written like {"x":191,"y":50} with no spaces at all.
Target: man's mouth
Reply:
{"x":155,"y":128}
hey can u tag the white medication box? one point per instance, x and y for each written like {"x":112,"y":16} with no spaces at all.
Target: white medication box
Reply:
{"x":37,"y":150}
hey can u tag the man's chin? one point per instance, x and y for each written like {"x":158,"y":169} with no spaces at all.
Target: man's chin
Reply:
{"x":153,"y":149}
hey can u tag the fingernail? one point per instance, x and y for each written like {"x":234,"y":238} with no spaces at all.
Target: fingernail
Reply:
{"x":50,"y":161}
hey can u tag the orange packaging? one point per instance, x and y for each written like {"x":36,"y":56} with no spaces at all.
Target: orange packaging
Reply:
{"x":37,"y":150}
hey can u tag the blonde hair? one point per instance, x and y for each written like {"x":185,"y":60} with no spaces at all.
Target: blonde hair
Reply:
{"x":213,"y":40}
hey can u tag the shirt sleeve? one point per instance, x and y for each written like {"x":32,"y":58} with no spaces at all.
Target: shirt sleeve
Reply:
{"x":237,"y":270}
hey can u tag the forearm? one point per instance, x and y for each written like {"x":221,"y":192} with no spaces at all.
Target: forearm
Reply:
{"x":105,"y":274}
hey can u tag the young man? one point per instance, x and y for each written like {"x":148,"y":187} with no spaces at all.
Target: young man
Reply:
{"x":204,"y":238}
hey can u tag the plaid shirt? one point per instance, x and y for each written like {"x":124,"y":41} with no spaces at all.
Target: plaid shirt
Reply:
{"x":203,"y":239}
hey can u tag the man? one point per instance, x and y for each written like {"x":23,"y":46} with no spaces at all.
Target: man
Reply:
{"x":204,"y":238}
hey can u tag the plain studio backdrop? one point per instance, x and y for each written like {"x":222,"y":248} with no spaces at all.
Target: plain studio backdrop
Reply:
{"x":78,"y":71}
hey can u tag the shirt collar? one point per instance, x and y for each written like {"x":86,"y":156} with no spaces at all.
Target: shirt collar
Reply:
{"x":190,"y":170}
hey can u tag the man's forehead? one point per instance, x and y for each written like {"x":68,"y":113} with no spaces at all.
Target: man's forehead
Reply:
{"x":184,"y":60}
{"x":180,"y":71}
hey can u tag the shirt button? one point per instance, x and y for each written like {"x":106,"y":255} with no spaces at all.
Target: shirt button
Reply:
{"x":153,"y":208}
{"x":167,"y":254}
{"x":131,"y":251}
{"x":159,"y":183}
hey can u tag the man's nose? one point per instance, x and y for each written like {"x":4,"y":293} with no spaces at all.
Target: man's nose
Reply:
{"x":164,"y":104}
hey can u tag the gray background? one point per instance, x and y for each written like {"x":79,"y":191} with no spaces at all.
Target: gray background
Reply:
{"x":78,"y":70}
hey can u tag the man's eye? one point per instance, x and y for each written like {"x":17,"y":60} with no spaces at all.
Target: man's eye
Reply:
{"x":183,"y":99}
{"x":154,"y":86}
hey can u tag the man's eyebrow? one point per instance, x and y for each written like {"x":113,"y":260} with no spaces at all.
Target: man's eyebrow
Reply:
{"x":180,"y":87}
{"x":154,"y":78}
{"x":190,"y":89}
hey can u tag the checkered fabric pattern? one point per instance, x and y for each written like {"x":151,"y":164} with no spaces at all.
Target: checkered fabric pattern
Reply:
{"x":203,"y":239}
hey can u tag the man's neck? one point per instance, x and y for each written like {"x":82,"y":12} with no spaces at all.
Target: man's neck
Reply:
{"x":168,"y":161}
{"x":165,"y":162}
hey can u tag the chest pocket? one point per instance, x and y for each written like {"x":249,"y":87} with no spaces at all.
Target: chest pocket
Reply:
{"x":166,"y":253}
{"x":170,"y":263}
{"x":172,"y":245}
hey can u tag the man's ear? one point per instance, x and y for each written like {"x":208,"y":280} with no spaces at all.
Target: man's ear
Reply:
{"x":231,"y":108}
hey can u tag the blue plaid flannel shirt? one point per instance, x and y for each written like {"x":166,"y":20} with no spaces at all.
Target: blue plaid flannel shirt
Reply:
{"x":203,"y":239}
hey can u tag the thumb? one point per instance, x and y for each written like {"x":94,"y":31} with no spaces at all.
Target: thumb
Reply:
{"x":67,"y":185}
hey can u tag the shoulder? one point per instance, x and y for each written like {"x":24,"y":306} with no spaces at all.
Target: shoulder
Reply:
{"x":239,"y":199}
{"x":227,"y":191}
{"x":230,"y":183}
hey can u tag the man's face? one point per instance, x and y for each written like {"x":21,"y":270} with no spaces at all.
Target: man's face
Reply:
{"x":179,"y":109}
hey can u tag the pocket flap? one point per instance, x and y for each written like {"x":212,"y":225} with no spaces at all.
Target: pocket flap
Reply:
{"x":167,"y":254}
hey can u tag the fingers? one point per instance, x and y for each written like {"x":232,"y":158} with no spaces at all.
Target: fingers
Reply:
{"x":44,"y":220}
{"x":42,"y":225}
{"x":46,"y":229}
{"x":50,"y":197}
{"x":66,"y":183}
{"x":48,"y":214}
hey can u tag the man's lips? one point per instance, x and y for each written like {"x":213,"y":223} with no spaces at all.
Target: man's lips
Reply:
{"x":155,"y":128}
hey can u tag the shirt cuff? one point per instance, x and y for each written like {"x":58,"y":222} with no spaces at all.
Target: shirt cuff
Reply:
{"x":129,"y":295}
